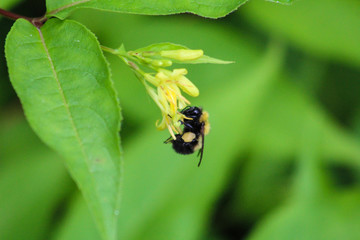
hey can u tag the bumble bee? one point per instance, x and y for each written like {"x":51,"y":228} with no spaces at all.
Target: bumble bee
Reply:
{"x":196,"y":126}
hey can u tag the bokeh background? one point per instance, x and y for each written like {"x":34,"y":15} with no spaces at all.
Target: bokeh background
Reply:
{"x":282,"y":160}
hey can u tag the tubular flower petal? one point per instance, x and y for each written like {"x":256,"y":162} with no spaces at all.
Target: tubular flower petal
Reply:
{"x":162,"y":98}
{"x":162,"y":125}
{"x":179,"y":71}
{"x":151,"y":79}
{"x":155,"y":97}
{"x":163,"y":75}
{"x":182,"y":54}
{"x":168,"y":96}
{"x":171,"y":97}
{"x":187,"y":86}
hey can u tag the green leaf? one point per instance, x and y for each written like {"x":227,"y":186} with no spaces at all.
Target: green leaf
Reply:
{"x":287,"y":108}
{"x":63,"y":82}
{"x":281,"y":1}
{"x":276,"y":140}
{"x":268,"y":170}
{"x":172,"y":46}
{"x":76,"y":220}
{"x":7,"y":4}
{"x":316,"y":210}
{"x":208,"y":8}
{"x":328,"y":28}
{"x":27,"y":180}
{"x":335,"y":217}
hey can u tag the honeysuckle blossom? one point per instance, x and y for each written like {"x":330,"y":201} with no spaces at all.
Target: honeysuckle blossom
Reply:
{"x":166,"y":87}
{"x":169,"y":97}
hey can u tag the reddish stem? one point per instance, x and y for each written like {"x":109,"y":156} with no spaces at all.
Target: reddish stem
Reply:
{"x":11,"y":15}
{"x":37,"y":22}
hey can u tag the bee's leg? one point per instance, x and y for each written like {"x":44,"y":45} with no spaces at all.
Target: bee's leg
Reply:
{"x":168,"y":140}
{"x":184,"y":109}
{"x":188,"y":125}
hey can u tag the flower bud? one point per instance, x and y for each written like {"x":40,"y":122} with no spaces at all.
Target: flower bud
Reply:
{"x":187,"y":86}
{"x":161,"y":63}
{"x":148,"y":53}
{"x":179,"y":71}
{"x":182,"y":54}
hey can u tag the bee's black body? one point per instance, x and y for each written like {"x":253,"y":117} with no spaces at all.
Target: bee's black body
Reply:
{"x":192,"y":138}
{"x":193,"y":124}
{"x":183,"y":147}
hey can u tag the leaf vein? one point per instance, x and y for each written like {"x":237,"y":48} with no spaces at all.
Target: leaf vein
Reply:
{"x":66,"y":105}
{"x":67,"y":109}
{"x":67,"y":6}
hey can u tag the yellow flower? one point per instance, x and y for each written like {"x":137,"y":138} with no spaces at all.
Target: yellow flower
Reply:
{"x":168,"y":96}
{"x":177,"y":76}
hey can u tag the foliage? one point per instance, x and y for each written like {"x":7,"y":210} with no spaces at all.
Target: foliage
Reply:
{"x":210,"y":8}
{"x":71,"y":105}
{"x":281,"y":160}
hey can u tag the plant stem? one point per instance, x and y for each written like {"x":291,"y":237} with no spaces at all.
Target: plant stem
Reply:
{"x":37,"y":22}
{"x":109,"y":50}
{"x":12,"y":16}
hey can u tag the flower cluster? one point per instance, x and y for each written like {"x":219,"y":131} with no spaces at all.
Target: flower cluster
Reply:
{"x":165,"y":86}
{"x":168,"y":96}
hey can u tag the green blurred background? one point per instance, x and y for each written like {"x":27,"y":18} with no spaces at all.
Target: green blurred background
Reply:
{"x":282,"y":160}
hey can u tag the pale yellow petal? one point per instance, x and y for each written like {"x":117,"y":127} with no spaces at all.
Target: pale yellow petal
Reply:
{"x":171,"y":97}
{"x":179,"y":72}
{"x":162,"y":125}
{"x":162,"y":98}
{"x":151,"y":79}
{"x":183,"y":54}
{"x":187,"y":86}
{"x":162,"y":76}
